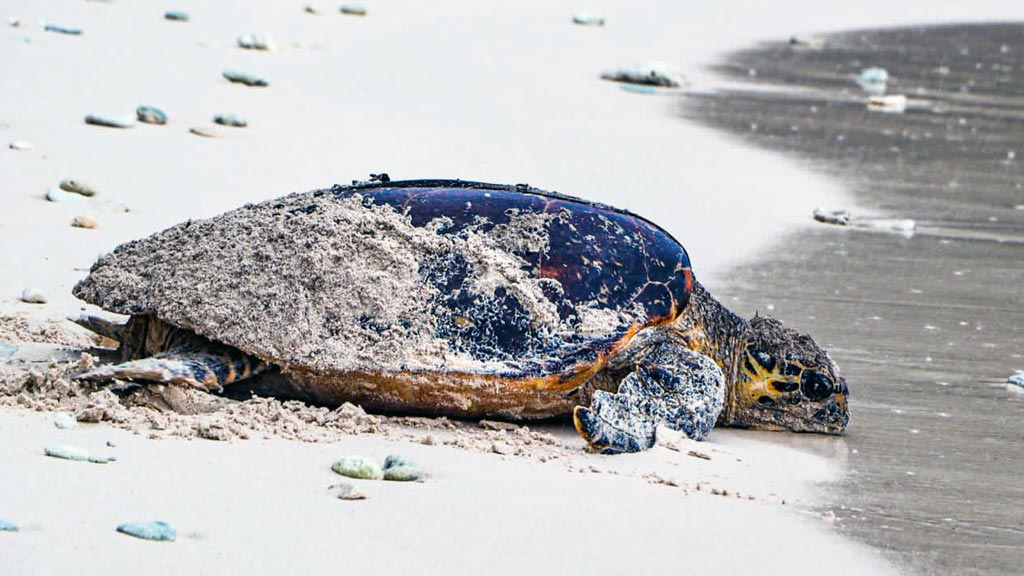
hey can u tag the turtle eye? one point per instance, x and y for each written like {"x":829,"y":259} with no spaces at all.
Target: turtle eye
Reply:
{"x":815,"y":386}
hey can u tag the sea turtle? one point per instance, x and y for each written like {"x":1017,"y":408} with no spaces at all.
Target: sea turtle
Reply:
{"x":457,"y":298}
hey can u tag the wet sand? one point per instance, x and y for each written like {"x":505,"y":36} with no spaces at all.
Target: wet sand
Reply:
{"x":926,"y":327}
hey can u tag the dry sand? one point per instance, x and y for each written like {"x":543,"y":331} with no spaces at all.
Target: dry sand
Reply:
{"x":477,"y":90}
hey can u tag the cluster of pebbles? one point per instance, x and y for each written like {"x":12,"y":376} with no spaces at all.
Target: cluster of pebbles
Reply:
{"x":396,"y":468}
{"x":146,"y":114}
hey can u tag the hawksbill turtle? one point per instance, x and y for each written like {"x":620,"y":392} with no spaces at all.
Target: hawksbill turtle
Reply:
{"x":465,"y":299}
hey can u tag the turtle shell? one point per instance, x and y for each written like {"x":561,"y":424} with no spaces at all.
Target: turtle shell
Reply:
{"x":437,"y":276}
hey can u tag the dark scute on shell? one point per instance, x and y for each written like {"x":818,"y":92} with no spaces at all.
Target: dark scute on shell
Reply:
{"x":595,"y":254}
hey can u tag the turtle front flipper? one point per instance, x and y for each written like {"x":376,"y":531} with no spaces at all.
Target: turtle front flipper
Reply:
{"x":207,"y":371}
{"x":673,"y":386}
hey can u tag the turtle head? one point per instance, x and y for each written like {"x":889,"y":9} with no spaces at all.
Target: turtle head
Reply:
{"x":786,"y":381}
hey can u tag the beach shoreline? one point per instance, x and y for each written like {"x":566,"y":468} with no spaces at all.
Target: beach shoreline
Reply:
{"x":925,"y":320}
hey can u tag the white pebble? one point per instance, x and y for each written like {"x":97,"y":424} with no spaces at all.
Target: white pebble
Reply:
{"x":33,"y":296}
{"x":84,"y":222}
{"x":60,"y":196}
{"x":64,"y":420}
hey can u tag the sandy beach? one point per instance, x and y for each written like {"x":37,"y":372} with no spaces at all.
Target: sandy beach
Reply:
{"x":456,"y":89}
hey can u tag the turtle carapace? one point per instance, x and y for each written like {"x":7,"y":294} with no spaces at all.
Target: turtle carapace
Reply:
{"x":457,"y":298}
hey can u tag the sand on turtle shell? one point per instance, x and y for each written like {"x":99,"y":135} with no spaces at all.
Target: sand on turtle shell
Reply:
{"x":317,"y":282}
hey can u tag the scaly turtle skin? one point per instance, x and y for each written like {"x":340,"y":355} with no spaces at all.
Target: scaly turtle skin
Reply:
{"x":462,"y":299}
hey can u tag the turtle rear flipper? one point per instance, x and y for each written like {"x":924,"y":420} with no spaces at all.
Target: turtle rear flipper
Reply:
{"x":680,"y":389}
{"x":207,"y":371}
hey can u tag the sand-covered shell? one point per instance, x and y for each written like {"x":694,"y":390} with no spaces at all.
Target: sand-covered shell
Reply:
{"x":407,"y":276}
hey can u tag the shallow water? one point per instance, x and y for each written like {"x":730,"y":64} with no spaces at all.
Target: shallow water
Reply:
{"x":927,"y":327}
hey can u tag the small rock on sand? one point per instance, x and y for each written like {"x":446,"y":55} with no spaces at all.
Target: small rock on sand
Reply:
{"x":8,"y":526}
{"x":176,"y":16}
{"x":873,"y":80}
{"x":587,"y":19}
{"x":653,"y":74}
{"x":150,"y":115}
{"x":84,"y":222}
{"x":252,"y":42}
{"x":895,"y":104}
{"x":20,"y":145}
{"x":346,"y":491}
{"x":62,"y":29}
{"x":400,"y":469}
{"x":77,"y":187}
{"x":839,"y":216}
{"x":1016,"y":379}
{"x":811,"y":42}
{"x":233,"y":120}
{"x":33,"y":296}
{"x":67,"y":452}
{"x":64,"y":420}
{"x":110,"y":121}
{"x":159,"y":531}
{"x":358,"y":467}
{"x":395,"y":460}
{"x":60,"y":196}
{"x":311,"y":9}
{"x":204,"y":132}
{"x":240,"y":77}
{"x":353,"y":9}
{"x":403,"y":474}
